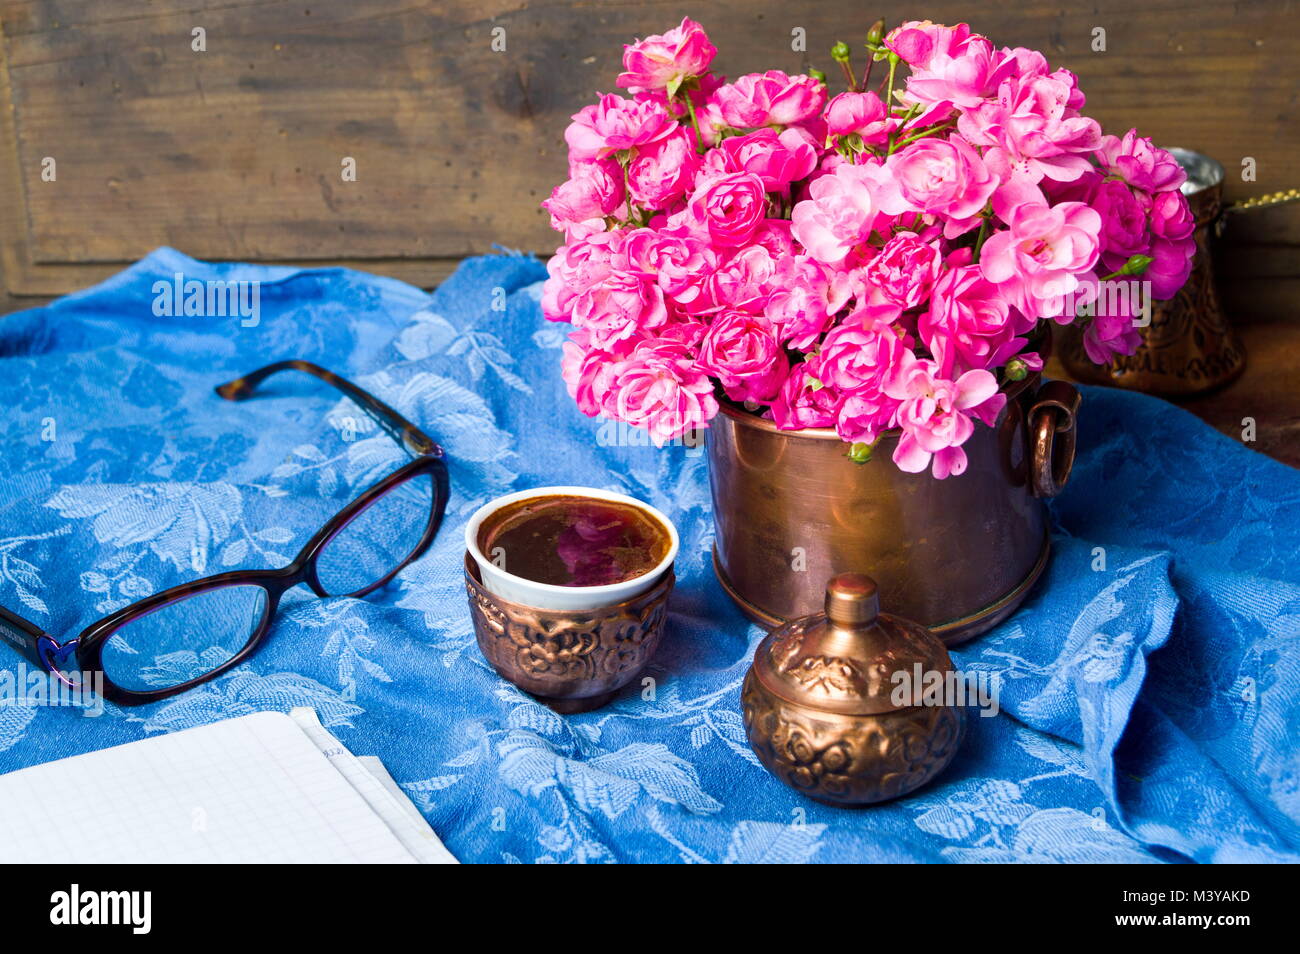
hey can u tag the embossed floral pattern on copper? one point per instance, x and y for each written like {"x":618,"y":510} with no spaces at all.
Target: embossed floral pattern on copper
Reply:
{"x":573,"y":660}
{"x":850,"y":760}
{"x":822,"y":705}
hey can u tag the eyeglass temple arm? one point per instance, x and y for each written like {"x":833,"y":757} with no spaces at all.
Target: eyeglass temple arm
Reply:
{"x":398,"y":427}
{"x":26,"y":637}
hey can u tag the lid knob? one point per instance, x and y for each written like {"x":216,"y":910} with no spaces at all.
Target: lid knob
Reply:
{"x":852,"y":599}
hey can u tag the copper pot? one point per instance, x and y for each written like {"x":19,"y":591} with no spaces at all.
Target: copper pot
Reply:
{"x":957,"y":555}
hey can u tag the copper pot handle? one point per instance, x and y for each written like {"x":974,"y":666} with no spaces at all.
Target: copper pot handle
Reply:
{"x":1052,"y":437}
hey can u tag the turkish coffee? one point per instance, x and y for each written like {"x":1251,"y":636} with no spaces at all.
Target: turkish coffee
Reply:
{"x":569,"y":540}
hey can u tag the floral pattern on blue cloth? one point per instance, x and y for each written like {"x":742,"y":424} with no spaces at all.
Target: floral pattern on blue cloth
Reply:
{"x":1149,"y":688}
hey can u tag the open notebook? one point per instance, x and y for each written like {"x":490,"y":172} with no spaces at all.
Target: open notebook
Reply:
{"x":266,"y":787}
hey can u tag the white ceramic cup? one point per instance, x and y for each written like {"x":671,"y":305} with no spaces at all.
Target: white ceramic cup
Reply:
{"x":549,"y":595}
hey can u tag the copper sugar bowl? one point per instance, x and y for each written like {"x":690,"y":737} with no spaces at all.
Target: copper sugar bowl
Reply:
{"x":956,"y":555}
{"x":572,"y":660}
{"x":832,"y":708}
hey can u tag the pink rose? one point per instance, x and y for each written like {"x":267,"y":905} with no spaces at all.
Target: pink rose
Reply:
{"x":1110,"y":328}
{"x":1171,"y":216}
{"x":864,"y":415}
{"x":1032,"y":131}
{"x":900,"y":277}
{"x":1123,"y":223}
{"x":743,"y":282}
{"x":969,"y":325}
{"x":742,"y":351}
{"x":620,"y":310}
{"x":769,"y":99}
{"x":860,"y":114}
{"x":1140,"y":163}
{"x":663,"y":171}
{"x":573,"y":269}
{"x":616,"y":124}
{"x":588,"y":373}
{"x":842,"y":209}
{"x":679,"y":263}
{"x":579,"y":206}
{"x":950,"y":64}
{"x":776,"y":158}
{"x":918,"y":42}
{"x":1171,"y":263}
{"x":667,"y":59}
{"x":1030,"y":64}
{"x":729,"y":208}
{"x":804,"y":400}
{"x":660,"y":388}
{"x":1039,"y":259}
{"x":945,"y":178}
{"x":854,"y":358}
{"x":932,"y":413}
{"x":806,"y":298}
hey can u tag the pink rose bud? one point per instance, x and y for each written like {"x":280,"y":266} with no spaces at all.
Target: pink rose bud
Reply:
{"x":862,"y":114}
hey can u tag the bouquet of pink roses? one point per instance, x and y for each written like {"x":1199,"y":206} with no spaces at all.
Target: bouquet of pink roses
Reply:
{"x":871,"y":261}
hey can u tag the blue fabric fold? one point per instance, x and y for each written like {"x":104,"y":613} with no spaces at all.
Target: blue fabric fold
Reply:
{"x":1149,"y":689}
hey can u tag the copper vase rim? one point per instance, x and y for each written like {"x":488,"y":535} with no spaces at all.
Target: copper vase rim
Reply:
{"x":1012,"y":389}
{"x":664,"y":584}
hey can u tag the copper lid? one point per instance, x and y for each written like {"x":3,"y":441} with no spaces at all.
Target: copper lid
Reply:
{"x":844,"y":659}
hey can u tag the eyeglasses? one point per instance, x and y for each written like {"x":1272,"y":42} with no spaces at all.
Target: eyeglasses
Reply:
{"x":183,"y":636}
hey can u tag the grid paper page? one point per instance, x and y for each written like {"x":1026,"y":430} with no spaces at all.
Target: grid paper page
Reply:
{"x":248,"y":790}
{"x":385,"y":798}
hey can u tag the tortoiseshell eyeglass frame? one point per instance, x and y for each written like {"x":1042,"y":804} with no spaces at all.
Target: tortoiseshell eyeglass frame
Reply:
{"x":87,"y":648}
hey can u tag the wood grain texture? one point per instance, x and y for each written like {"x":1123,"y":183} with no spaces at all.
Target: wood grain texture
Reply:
{"x":236,"y":152}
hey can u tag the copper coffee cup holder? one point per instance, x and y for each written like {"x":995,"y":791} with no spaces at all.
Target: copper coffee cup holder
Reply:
{"x":571,"y":660}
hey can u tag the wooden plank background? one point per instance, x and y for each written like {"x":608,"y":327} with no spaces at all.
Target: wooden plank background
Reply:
{"x":236,"y":152}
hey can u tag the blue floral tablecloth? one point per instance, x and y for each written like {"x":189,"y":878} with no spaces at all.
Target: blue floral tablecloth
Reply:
{"x":1151,"y":708}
